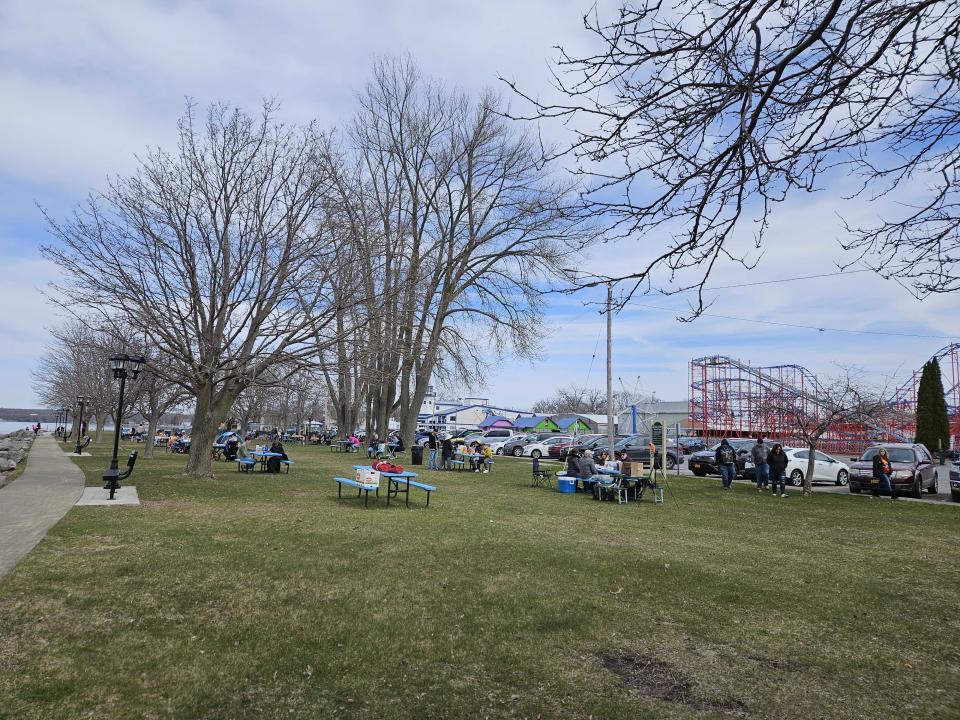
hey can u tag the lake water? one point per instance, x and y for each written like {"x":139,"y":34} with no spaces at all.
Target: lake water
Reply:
{"x":9,"y":427}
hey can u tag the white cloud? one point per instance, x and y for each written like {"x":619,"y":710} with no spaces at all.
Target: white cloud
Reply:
{"x":85,"y":86}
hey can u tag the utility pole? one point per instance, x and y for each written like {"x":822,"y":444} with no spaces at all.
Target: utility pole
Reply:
{"x":611,"y":431}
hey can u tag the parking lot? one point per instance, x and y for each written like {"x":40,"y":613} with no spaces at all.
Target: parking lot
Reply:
{"x":942,"y":496}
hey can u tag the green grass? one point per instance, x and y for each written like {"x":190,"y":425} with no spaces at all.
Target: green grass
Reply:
{"x":262,"y":596}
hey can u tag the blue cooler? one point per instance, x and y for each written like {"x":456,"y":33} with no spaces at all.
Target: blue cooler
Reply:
{"x":566,"y":485}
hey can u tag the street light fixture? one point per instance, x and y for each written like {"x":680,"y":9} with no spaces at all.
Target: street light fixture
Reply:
{"x":123,"y":366}
{"x":81,"y":400}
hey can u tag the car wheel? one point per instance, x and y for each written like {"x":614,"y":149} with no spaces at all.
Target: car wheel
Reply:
{"x":518,"y":451}
{"x":796,"y":478}
{"x":933,"y":488}
{"x":955,"y":496}
{"x":535,"y":454}
{"x":843,"y":477}
{"x":917,"y":490}
{"x":671,"y":462}
{"x":499,"y":451}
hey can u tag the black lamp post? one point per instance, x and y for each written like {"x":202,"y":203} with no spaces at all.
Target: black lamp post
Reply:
{"x":80,"y":404}
{"x":123,"y":366}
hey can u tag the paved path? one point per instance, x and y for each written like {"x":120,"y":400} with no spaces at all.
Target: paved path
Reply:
{"x":35,"y":501}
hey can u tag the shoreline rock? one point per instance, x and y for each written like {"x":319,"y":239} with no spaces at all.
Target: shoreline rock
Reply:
{"x":13,"y":449}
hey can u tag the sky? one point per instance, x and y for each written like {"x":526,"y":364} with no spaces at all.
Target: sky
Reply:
{"x":85,"y":86}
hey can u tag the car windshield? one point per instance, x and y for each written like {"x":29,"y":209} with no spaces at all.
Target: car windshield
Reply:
{"x":897,"y":455}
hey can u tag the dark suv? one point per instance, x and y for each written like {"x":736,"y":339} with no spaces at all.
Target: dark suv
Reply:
{"x":705,"y":462}
{"x":912,"y":468}
{"x":637,"y":449}
{"x":955,"y":482}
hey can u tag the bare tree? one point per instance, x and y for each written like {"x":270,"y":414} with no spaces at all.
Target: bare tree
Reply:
{"x":216,"y":252}
{"x":76,"y":362}
{"x":583,"y":400}
{"x":696,"y":117}
{"x":845,"y":399}
{"x":472,"y":230}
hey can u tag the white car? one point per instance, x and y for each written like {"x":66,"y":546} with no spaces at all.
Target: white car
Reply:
{"x":825,"y":468}
{"x":539,"y":449}
{"x":497,"y":445}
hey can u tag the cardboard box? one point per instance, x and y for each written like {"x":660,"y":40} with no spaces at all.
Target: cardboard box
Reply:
{"x":631,"y":468}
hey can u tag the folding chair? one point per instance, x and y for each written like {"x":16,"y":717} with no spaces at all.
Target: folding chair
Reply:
{"x":540,"y":477}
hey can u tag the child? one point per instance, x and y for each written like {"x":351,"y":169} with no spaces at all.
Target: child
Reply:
{"x":485,"y":459}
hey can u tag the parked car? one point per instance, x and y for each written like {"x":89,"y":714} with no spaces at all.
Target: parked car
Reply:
{"x":825,"y":467}
{"x":540,"y":448}
{"x":955,"y":482}
{"x":559,"y":450}
{"x":691,"y":445}
{"x":705,"y":463}
{"x":912,"y":466}
{"x":514,"y":446}
{"x":497,"y":445}
{"x":490,"y":435}
{"x":597,"y":444}
{"x":638,"y":448}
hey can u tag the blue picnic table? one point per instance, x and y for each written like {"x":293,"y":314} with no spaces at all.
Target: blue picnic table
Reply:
{"x":395,"y":480}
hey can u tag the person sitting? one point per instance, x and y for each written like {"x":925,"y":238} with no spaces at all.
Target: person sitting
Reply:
{"x":230,"y":448}
{"x":446,"y":453}
{"x":605,"y":465}
{"x":573,"y":464}
{"x":241,"y":448}
{"x":486,"y":458}
{"x":399,"y":445}
{"x":354,"y":442}
{"x":273,"y":462}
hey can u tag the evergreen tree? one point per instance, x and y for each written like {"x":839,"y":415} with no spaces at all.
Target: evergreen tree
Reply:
{"x":933,"y":425}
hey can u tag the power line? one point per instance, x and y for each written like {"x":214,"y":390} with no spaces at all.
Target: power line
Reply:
{"x":781,"y":280}
{"x":805,"y":327}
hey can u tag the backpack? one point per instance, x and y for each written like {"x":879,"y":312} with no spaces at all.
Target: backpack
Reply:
{"x":387,"y":467}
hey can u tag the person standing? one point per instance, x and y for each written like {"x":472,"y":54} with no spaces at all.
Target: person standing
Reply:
{"x":432,"y":446}
{"x":761,"y":468}
{"x":882,"y":470}
{"x":777,"y":467}
{"x":726,"y":458}
{"x":446,"y":453}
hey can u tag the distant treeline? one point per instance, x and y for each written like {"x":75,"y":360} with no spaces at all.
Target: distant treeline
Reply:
{"x":28,"y":415}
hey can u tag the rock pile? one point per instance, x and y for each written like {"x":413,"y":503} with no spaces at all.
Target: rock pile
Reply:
{"x":13,"y":448}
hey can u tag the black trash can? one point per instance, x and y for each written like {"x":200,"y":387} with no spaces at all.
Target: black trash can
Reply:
{"x":416,"y":455}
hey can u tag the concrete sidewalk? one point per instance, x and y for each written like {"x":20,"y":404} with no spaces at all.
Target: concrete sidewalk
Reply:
{"x":35,"y":501}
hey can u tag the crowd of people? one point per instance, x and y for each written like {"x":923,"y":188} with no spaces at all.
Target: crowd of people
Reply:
{"x":441,"y":454}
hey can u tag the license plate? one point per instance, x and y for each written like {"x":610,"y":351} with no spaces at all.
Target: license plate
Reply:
{"x":748,"y":463}
{"x":694,"y":466}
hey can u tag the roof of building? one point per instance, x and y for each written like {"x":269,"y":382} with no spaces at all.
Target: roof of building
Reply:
{"x":493,"y":419}
{"x":461,"y":408}
{"x":529,"y":422}
{"x":565,"y":421}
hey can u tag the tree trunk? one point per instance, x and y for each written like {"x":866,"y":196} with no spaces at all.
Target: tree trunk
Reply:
{"x":152,"y":423}
{"x":808,"y":477}
{"x":99,"y":419}
{"x":207,"y":416}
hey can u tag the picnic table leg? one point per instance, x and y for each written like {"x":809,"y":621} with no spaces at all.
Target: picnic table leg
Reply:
{"x":407,"y":502}
{"x":339,"y":488}
{"x":428,"y":499}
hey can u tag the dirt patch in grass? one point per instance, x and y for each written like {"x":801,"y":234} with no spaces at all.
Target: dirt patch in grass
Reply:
{"x":653,"y":678}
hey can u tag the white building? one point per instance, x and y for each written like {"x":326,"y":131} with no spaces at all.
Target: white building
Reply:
{"x":463,"y":414}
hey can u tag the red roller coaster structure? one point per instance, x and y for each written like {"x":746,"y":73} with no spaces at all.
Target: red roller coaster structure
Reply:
{"x":731,"y":398}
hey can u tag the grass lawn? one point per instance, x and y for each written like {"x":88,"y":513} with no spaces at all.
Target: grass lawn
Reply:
{"x":262,"y":596}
